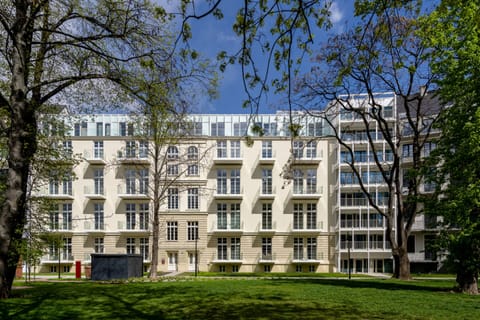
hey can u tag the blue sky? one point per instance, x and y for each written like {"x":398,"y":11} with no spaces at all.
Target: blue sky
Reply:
{"x":211,"y":36}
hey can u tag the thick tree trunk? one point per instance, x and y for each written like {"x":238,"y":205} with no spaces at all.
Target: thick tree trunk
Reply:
{"x":401,"y":265}
{"x":155,"y":238}
{"x":467,"y":282}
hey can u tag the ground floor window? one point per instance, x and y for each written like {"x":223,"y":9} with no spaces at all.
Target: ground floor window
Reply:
{"x":312,"y":268}
{"x":221,"y":268}
{"x":235,"y":268}
{"x":53,"y":269}
{"x":66,"y":269}
{"x":267,"y":268}
{"x":298,"y":268}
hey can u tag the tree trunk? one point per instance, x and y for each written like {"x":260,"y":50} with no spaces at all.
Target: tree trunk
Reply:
{"x":155,"y":238}
{"x":467,"y":282}
{"x":401,"y":265}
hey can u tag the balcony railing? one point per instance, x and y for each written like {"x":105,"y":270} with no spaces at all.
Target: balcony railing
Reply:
{"x":227,"y":227}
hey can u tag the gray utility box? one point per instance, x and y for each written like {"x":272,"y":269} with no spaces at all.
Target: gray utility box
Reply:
{"x":116,"y":266}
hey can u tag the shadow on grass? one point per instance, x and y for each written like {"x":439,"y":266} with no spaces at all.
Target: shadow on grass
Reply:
{"x":381,"y":284}
{"x":212,"y":299}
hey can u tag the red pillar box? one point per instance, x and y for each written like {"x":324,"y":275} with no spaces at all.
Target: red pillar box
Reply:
{"x":78,"y":269}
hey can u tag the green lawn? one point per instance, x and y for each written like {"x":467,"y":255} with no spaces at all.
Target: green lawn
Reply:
{"x":309,"y":298}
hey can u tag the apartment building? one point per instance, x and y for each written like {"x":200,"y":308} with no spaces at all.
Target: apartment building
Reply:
{"x":271,"y":203}
{"x":249,"y":207}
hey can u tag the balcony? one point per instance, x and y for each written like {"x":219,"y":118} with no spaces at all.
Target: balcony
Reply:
{"x":266,"y":258}
{"x":236,"y":258}
{"x":54,"y":258}
{"x":228,"y":194}
{"x":361,"y":224}
{"x":311,"y":192}
{"x":94,"y":193}
{"x":227,"y":229}
{"x":267,"y":228}
{"x":365,"y":245}
{"x":94,"y":228}
{"x":306,"y":228}
{"x":310,"y":160}
{"x":225,"y":160}
{"x":132,"y":158}
{"x":265,"y":193}
{"x":300,"y":258}
{"x":422,"y":256}
{"x":56,"y":194}
{"x":61,"y":229}
{"x":131,"y":193}
{"x":265,"y":159}
{"x":94,"y":157}
{"x":133,"y":229}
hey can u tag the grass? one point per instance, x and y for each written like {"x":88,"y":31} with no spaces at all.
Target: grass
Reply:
{"x":308,"y":298}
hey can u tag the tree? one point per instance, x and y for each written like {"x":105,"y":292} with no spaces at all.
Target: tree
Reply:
{"x":381,"y":54}
{"x":452,"y":32}
{"x":55,"y":51}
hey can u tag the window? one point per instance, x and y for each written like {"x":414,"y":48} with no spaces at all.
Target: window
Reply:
{"x":68,"y":148}
{"x":221,"y":149}
{"x":267,"y":181}
{"x":67,"y":249}
{"x":83,"y":131}
{"x":192,"y":198}
{"x":173,"y":198}
{"x":411,"y":244}
{"x":315,"y":129}
{"x":239,"y":129}
{"x":143,"y":149}
{"x":192,"y":230}
{"x":67,"y":184}
{"x":98,"y":216}
{"x":266,"y":248}
{"x":130,"y":149}
{"x":297,"y":181}
{"x":76,"y":129}
{"x":311,"y":149}
{"x":98,"y":245}
{"x":235,"y":216}
{"x":235,"y":249}
{"x":311,"y":181}
{"x":311,"y":216}
{"x":298,"y":248}
{"x":108,"y":129}
{"x":235,"y":268}
{"x":98,"y":181}
{"x":67,"y":216}
{"x":123,"y":129}
{"x":298,"y":149}
{"x":221,"y":216}
{"x":407,"y":150}
{"x":130,"y":215}
{"x":54,"y":220}
{"x":312,"y":248}
{"x":428,"y":147}
{"x":222,"y":249}
{"x":130,"y":176}
{"x":99,"y":129}
{"x":192,"y":153}
{"x":130,"y":245}
{"x":267,"y":268}
{"x":235,"y":181}
{"x":98,"y":149}
{"x":144,"y":248}
{"x":143,"y":181}
{"x":143,"y":214}
{"x":298,"y":216}
{"x":53,"y":186}
{"x":172,"y":153}
{"x":217,"y":129}
{"x":130,"y":130}
{"x":221,"y":181}
{"x":172,"y":230}
{"x":235,"y":149}
{"x":192,"y":170}
{"x":266,"y":216}
{"x":172,"y":169}
{"x":267,"y":152}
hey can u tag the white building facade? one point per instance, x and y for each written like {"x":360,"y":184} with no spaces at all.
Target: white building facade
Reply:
{"x":271,"y":203}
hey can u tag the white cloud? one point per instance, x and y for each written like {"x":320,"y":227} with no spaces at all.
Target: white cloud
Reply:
{"x":336,"y":14}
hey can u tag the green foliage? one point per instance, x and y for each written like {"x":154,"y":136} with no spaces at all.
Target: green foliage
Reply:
{"x":453,"y":32}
